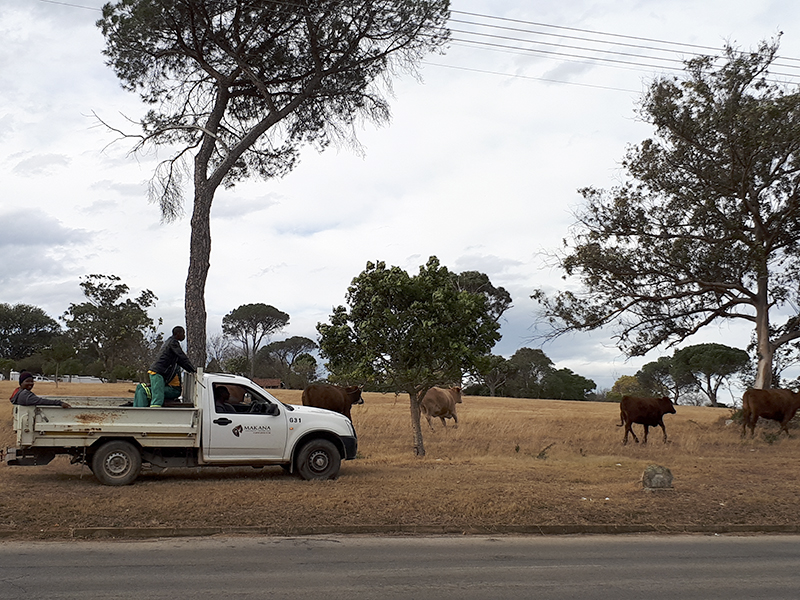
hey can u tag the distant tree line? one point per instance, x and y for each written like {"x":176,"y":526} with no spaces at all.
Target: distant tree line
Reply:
{"x":529,"y":373}
{"x":109,"y":335}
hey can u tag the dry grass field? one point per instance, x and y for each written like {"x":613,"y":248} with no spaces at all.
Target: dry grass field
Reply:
{"x":512,"y":462}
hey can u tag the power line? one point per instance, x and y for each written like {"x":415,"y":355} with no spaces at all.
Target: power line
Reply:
{"x":563,"y":36}
{"x":72,"y":5}
{"x":565,"y":55}
{"x":560,"y":51}
{"x":677,"y":47}
{"x":566,"y":46}
{"x":565,"y":28}
{"x":597,"y":60}
{"x":517,"y":76}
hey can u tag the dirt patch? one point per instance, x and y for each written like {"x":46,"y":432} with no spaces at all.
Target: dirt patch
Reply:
{"x":511,"y":462}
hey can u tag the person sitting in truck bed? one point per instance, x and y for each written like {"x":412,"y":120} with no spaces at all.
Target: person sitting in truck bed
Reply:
{"x":221,"y":397}
{"x":23,"y":396}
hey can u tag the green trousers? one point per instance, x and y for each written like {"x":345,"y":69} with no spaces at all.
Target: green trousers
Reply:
{"x":155,"y":393}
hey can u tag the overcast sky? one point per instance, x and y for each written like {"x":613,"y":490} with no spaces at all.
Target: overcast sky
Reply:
{"x":480,"y":166}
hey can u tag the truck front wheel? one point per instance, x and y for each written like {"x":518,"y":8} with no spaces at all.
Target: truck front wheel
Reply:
{"x":117,"y":463}
{"x":319,"y":459}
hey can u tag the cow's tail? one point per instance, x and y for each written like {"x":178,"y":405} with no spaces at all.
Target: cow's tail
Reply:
{"x":621,"y":419}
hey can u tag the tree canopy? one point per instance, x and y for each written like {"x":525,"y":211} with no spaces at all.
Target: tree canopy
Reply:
{"x":279,"y":360}
{"x":117,"y":333}
{"x":24,"y":330}
{"x":478,"y":283}
{"x":693,"y":374}
{"x":706,"y":226}
{"x":709,"y":366}
{"x":493,"y":372}
{"x":533,"y":375}
{"x":240,"y":87}
{"x":658,"y":378}
{"x":250,"y":325}
{"x":407,"y":332}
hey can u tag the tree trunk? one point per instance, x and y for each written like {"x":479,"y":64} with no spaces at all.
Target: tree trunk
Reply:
{"x":765,"y":351}
{"x":419,"y":446}
{"x":711,"y":391}
{"x":199,"y":263}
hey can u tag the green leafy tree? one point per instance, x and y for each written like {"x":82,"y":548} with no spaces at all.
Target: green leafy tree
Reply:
{"x":112,"y":331}
{"x":493,"y":371}
{"x":706,"y":227}
{"x":530,"y":368}
{"x":531,"y":374}
{"x":656,"y":378}
{"x":407,"y":332}
{"x":304,"y":371}
{"x":665,"y":377}
{"x":250,"y":325}
{"x":33,"y":363}
{"x":6,"y":366}
{"x":709,"y":366}
{"x":60,"y":354}
{"x":626,"y":385}
{"x":278,"y":358}
{"x":25,"y":330}
{"x":564,"y":384}
{"x":240,"y":87}
{"x":478,"y":283}
{"x":238,"y":365}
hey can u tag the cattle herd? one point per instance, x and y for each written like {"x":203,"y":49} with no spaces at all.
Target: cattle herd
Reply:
{"x":775,"y":404}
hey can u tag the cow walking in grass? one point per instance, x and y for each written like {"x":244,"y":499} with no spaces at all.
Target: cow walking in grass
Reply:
{"x":644,"y":411}
{"x":439,"y":402}
{"x":777,"y":405}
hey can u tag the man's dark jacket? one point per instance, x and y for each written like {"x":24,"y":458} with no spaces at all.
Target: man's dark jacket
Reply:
{"x":170,"y":357}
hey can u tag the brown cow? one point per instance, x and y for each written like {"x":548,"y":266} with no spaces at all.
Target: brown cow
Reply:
{"x":441,"y":403}
{"x":645,"y":411}
{"x":775,"y":404}
{"x":332,"y":397}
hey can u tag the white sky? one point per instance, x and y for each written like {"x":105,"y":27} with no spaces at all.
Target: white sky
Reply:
{"x":480,"y":167}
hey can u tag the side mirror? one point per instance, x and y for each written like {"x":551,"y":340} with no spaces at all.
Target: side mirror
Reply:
{"x":273,"y":410}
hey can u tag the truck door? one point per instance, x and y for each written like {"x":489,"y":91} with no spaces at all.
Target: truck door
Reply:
{"x":248,"y":426}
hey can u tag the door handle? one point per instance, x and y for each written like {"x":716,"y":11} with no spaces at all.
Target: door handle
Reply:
{"x":222,"y":421}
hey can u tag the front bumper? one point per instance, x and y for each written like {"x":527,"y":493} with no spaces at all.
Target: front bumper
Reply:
{"x":350,"y":444}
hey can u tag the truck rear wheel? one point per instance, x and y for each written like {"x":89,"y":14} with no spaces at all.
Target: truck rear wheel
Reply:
{"x":318,"y":459}
{"x":117,"y":463}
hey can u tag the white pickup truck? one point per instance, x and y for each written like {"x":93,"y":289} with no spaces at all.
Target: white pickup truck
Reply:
{"x":252,"y":428}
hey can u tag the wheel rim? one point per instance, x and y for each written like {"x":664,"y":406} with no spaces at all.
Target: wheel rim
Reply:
{"x":318,"y":461}
{"x":117,"y":464}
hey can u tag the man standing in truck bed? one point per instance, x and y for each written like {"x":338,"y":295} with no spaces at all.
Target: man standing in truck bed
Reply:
{"x":165,"y":368}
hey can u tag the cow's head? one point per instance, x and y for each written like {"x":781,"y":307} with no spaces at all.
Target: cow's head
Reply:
{"x":667,"y":405}
{"x":354,"y":394}
{"x":456,"y":394}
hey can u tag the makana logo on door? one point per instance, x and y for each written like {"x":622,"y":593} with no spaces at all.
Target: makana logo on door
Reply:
{"x":255,"y":429}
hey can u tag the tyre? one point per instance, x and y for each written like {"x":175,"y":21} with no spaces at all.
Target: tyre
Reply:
{"x":117,"y":463}
{"x":319,"y":459}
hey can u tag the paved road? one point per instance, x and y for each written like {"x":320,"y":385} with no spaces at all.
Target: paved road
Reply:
{"x":388,"y":568}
